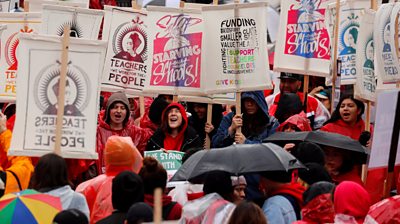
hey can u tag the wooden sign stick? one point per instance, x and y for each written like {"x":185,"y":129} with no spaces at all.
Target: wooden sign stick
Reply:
{"x":141,"y":105}
{"x":335,"y":49}
{"x":61,"y":95}
{"x":135,"y":5}
{"x":207,"y":143}
{"x":157,"y":215}
{"x":238,"y":94}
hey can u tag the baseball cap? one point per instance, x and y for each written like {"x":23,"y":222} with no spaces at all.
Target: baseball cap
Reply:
{"x":323,"y":94}
{"x":286,"y":75}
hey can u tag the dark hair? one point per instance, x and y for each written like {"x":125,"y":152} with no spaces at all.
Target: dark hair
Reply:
{"x":247,"y":212}
{"x":164,"y":121}
{"x":349,"y":160}
{"x":50,"y":173}
{"x":199,"y":124}
{"x":156,"y":108}
{"x":108,"y":111}
{"x":288,"y":105}
{"x":318,"y":188}
{"x":153,"y":175}
{"x":71,"y":216}
{"x":336,"y":114}
{"x":219,"y":182}
{"x":139,"y":212}
{"x":127,"y":188}
{"x":254,"y":125}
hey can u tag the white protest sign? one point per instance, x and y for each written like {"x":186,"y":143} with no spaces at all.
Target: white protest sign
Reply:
{"x":37,"y":5}
{"x":351,"y":13}
{"x":171,"y":161}
{"x":386,"y":66}
{"x":222,"y":98}
{"x":39,"y":88}
{"x":126,"y":62}
{"x":176,"y":51}
{"x":84,"y":23}
{"x":16,"y":23}
{"x":366,"y":82}
{"x":303,"y":43}
{"x":383,"y":129}
{"x":236,"y":48}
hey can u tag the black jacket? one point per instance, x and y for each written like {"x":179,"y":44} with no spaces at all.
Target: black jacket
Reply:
{"x":191,"y":140}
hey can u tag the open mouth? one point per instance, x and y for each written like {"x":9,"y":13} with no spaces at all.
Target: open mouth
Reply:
{"x":173,"y":119}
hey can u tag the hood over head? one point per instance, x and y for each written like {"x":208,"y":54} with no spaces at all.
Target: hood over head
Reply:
{"x":117,"y":97}
{"x":259,"y":98}
{"x":164,"y":122}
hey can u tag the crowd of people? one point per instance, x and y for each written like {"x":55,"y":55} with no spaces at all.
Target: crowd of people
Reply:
{"x":119,"y":186}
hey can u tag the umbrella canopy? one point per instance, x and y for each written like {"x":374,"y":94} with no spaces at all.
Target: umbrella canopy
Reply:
{"x":238,"y":159}
{"x":318,"y":137}
{"x":28,"y":206}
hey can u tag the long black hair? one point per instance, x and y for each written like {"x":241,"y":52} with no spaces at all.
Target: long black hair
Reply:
{"x":336,"y":114}
{"x":254,"y":124}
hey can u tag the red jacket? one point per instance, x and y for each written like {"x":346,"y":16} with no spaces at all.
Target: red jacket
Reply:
{"x":97,"y":192}
{"x":174,"y":213}
{"x":343,"y":128}
{"x":299,"y":120}
{"x":139,"y":137}
{"x":318,"y":210}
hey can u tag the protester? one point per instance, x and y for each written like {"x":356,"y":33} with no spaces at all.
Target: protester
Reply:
{"x":15,"y":171}
{"x":138,"y":213}
{"x":318,"y":204}
{"x":384,"y":212}
{"x":343,"y":165}
{"x":70,"y":216}
{"x":351,"y":202}
{"x":255,"y":122}
{"x":152,"y":118}
{"x":295,"y":123}
{"x":239,"y":185}
{"x":288,"y":105}
{"x":155,"y":176}
{"x":291,"y":83}
{"x":174,"y":132}
{"x":119,"y":155}
{"x":216,"y":206}
{"x":51,"y":177}
{"x":127,"y":189}
{"x":249,"y":213}
{"x":284,"y":198}
{"x":198,"y":120}
{"x":346,"y":119}
{"x":116,"y":121}
{"x":324,"y":96}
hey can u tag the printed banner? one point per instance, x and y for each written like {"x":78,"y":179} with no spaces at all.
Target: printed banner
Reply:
{"x":386,"y":56}
{"x":126,"y":62}
{"x":171,"y":161}
{"x":238,"y":61}
{"x":84,"y":23}
{"x":38,"y":90}
{"x":383,"y":130}
{"x":176,"y":51}
{"x":303,"y":43}
{"x":351,"y":13}
{"x":108,"y":12}
{"x":16,"y":23}
{"x":366,"y":82}
{"x":222,"y":98}
{"x":37,"y":5}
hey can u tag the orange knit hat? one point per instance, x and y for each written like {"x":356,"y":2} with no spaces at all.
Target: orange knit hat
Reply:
{"x":120,"y":151}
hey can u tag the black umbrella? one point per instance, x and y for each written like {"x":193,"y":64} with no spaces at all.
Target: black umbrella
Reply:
{"x":238,"y":159}
{"x":318,"y":137}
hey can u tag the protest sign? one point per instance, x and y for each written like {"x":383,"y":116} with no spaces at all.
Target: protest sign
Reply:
{"x":84,"y":23}
{"x":366,"y":82}
{"x":108,"y":11}
{"x":126,"y":62}
{"x":303,"y":42}
{"x":171,"y":161}
{"x":386,"y":66}
{"x":38,"y":96}
{"x":383,"y":130}
{"x":236,"y":48}
{"x":37,"y":5}
{"x":351,"y":13}
{"x":222,"y":98}
{"x":177,"y":51}
{"x":16,"y":23}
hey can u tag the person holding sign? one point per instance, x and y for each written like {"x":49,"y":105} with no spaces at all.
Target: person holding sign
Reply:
{"x":255,"y":122}
{"x":174,"y":132}
{"x":117,"y":121}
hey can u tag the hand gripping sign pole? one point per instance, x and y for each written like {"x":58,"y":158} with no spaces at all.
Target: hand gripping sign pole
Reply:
{"x":61,"y":95}
{"x":207,"y":143}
